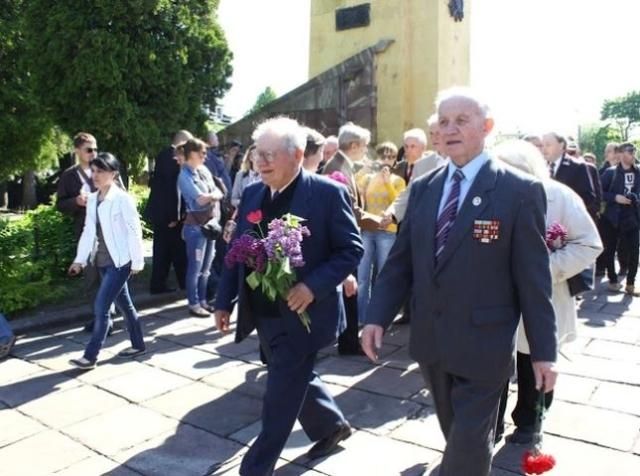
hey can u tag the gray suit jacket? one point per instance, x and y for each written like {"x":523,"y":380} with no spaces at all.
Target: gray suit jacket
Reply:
{"x":466,"y":309}
{"x":422,"y":167}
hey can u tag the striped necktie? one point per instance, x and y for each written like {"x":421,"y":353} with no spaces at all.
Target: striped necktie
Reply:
{"x":448,"y":215}
{"x":552,"y":170}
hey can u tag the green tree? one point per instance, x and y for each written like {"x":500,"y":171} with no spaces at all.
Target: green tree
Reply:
{"x":623,"y":112}
{"x":131,"y":73}
{"x":28,"y":139}
{"x":594,"y":138}
{"x":264,"y":98}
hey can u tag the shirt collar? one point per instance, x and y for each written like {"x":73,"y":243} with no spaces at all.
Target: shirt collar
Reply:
{"x":471,"y":169}
{"x":282,"y":189}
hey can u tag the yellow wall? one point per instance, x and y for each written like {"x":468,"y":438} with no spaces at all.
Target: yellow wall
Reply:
{"x":430,"y":52}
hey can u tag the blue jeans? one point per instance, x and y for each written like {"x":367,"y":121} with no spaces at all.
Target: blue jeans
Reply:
{"x":377,"y":245}
{"x":113,"y":288}
{"x":200,"y":254}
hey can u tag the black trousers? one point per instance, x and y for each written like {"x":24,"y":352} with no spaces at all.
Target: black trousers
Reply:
{"x":348,"y":340}
{"x":612,"y":237}
{"x":524,"y":415}
{"x":168,"y":249}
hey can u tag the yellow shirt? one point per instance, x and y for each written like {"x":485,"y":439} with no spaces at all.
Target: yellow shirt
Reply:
{"x":378,"y":195}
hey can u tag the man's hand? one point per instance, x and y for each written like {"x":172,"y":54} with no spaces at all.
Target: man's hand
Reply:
{"x":387,"y":219}
{"x":371,"y":340}
{"x":545,"y":374}
{"x":299,"y":298}
{"x":81,"y":200}
{"x":350,"y":286}
{"x":222,"y":320}
{"x":622,"y":200}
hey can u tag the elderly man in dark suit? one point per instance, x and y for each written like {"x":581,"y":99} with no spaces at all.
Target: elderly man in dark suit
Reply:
{"x":472,"y":248}
{"x":330,"y":253}
{"x":164,"y":212}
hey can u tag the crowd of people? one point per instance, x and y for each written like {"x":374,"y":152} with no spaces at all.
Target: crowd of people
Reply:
{"x":448,"y":234}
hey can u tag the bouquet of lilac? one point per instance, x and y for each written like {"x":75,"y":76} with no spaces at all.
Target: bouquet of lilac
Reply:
{"x":272,"y":258}
{"x":556,"y":237}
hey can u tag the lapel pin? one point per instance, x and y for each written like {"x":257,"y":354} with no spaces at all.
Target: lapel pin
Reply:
{"x":476,"y":201}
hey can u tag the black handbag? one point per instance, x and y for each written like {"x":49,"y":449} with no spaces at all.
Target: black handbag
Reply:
{"x":211,"y":230}
{"x":581,"y":282}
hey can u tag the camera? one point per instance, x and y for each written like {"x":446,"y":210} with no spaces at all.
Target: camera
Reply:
{"x":632,"y":196}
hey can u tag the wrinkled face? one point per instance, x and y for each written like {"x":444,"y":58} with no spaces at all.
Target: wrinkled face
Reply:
{"x":277,"y":165}
{"x":87,"y":151}
{"x":552,"y":148}
{"x":463,"y":129}
{"x":413,"y":149}
{"x":330,"y":149}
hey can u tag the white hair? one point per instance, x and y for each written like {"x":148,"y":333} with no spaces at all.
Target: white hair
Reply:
{"x":466,"y":93}
{"x":293,"y":135}
{"x":350,"y":133}
{"x":417,"y":134}
{"x":331,"y":140}
{"x":523,"y":156}
{"x":433,"y":119}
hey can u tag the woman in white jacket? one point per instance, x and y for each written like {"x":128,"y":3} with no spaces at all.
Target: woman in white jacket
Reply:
{"x":583,"y":245}
{"x":112,"y":228}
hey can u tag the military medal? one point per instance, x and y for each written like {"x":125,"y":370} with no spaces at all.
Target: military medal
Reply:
{"x":486,"y":231}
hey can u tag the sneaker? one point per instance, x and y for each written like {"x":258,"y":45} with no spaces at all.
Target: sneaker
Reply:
{"x":631,"y":290}
{"x":197,"y":311}
{"x":614,"y":287}
{"x":524,"y":437}
{"x":83,"y":363}
{"x":131,"y":352}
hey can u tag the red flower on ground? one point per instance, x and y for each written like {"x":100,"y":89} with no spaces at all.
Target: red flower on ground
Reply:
{"x":254,"y":217}
{"x":534,"y":462}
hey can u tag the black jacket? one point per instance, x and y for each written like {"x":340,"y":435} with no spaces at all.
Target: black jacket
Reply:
{"x":68,"y":189}
{"x":575,"y":175}
{"x":626,"y":217}
{"x":162,"y":207}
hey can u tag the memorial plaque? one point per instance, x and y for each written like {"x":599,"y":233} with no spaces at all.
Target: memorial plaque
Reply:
{"x":353,"y":17}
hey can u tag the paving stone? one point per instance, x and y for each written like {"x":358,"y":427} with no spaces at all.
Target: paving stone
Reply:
{"x":366,"y":454}
{"x":423,"y":397}
{"x":191,"y":363}
{"x":400,"y":360}
{"x":34,"y":386}
{"x":602,"y":427}
{"x":398,"y":335}
{"x":40,"y":347}
{"x":622,"y":398}
{"x":377,"y":379}
{"x":574,"y":458}
{"x":608,"y":330}
{"x":226,"y":346}
{"x":74,"y":405}
{"x":283,"y":468}
{"x":120,"y":429}
{"x":41,"y":455}
{"x":602,"y":369}
{"x":375,"y":413}
{"x":215,"y":410}
{"x":16,"y":426}
{"x":247,"y":379}
{"x":383,"y":352}
{"x":613,"y":351}
{"x":96,"y":465}
{"x":187,"y":452}
{"x":189,"y":335}
{"x":296,"y":447}
{"x":575,"y":389}
{"x":16,"y":369}
{"x":109,"y":369}
{"x":143,"y":384}
{"x":60,"y":360}
{"x":422,"y":430}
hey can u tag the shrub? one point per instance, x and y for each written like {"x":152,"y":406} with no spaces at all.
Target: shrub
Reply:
{"x":141,"y":195}
{"x":35,"y":252}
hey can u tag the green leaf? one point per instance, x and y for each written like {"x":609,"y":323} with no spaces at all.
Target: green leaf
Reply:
{"x":253,"y":280}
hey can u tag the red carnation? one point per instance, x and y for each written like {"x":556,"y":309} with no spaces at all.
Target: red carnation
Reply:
{"x":254,"y":217}
{"x":534,"y":462}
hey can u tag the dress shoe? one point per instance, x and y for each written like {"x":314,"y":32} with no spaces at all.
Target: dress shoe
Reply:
{"x":630,"y":289}
{"x":162,"y":291}
{"x":328,"y":445}
{"x":83,"y":363}
{"x":131,"y":352}
{"x":524,"y":437}
{"x":198,"y":311}
{"x":614,"y":287}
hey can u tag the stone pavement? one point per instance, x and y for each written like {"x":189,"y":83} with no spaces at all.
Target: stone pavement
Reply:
{"x":194,"y":399}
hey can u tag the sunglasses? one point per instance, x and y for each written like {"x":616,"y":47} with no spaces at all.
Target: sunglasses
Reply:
{"x":90,"y":150}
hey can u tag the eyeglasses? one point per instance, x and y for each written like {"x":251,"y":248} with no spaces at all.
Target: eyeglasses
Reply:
{"x":267,"y":156}
{"x":90,"y":150}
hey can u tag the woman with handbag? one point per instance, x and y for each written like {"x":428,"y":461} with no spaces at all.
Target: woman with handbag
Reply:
{"x":202,"y":223}
{"x":111,"y":222}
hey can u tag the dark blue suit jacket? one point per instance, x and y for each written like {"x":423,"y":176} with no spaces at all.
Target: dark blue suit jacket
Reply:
{"x":331,"y":252}
{"x":465,"y":309}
